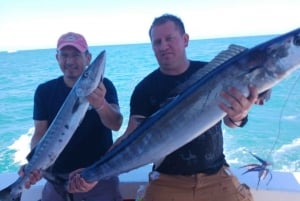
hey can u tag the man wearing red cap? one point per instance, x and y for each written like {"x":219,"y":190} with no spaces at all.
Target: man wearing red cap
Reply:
{"x":94,"y":135}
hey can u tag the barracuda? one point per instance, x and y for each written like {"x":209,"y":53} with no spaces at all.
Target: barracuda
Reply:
{"x":196,"y":109}
{"x":62,"y":128}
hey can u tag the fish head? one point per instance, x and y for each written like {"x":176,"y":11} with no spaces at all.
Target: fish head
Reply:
{"x":269,"y":63}
{"x":285,"y":54}
{"x":91,"y":76}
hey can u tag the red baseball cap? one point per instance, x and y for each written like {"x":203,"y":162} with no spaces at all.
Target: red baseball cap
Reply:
{"x":72,"y":39}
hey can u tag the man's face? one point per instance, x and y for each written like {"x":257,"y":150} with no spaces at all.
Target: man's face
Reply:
{"x":72,"y":62}
{"x":168,"y":44}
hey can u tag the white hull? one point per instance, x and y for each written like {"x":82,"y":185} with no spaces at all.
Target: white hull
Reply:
{"x":283,"y":187}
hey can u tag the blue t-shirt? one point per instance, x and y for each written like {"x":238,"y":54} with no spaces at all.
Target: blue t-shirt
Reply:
{"x":202,"y":155}
{"x":90,"y":140}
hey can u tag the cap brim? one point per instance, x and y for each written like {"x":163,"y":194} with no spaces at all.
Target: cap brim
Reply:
{"x":78,"y":47}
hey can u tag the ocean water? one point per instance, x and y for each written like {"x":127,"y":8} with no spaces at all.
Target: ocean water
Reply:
{"x":273,"y":130}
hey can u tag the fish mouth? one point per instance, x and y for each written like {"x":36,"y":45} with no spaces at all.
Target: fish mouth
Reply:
{"x":296,"y":40}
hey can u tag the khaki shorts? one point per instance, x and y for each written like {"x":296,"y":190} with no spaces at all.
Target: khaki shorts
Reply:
{"x":222,"y":186}
{"x":105,"y":190}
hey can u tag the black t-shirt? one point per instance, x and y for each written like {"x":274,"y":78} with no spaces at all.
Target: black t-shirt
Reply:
{"x":90,"y":140}
{"x":202,"y":155}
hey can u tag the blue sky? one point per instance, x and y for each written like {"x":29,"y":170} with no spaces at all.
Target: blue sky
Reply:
{"x":35,"y":24}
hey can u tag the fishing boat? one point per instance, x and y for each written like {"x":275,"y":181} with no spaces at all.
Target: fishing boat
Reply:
{"x":283,"y":186}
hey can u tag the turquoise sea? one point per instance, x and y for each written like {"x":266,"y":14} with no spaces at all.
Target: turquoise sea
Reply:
{"x":273,"y":130}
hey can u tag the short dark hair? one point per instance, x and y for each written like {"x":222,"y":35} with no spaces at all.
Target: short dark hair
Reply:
{"x":165,"y":18}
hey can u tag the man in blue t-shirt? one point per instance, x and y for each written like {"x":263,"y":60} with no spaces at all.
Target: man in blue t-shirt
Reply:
{"x":92,"y":138}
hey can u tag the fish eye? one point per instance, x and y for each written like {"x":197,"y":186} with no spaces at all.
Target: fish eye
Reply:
{"x":85,"y":74}
{"x":297,"y":40}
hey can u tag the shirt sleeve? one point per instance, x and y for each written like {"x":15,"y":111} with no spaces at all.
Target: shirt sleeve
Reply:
{"x":140,"y":102}
{"x":111,"y":95}
{"x":39,"y":109}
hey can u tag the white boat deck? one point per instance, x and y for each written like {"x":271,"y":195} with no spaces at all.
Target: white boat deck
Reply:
{"x":283,"y":187}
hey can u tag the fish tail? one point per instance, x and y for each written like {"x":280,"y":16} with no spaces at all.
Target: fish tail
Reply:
{"x":5,"y":194}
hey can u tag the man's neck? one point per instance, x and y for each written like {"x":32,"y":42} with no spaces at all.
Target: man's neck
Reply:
{"x":176,"y":70}
{"x":69,"y":81}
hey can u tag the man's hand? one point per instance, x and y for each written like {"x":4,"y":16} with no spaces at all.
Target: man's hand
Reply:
{"x":97,"y":97}
{"x":34,"y":176}
{"x":77,"y":184}
{"x":238,"y":105}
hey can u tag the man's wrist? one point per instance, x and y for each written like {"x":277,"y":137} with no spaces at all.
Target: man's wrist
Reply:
{"x":240,"y":123}
{"x":99,"y":108}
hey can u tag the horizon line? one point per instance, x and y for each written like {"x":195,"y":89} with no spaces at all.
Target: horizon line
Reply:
{"x":12,"y":50}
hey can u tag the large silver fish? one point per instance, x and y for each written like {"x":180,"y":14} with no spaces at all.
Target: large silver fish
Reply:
{"x":62,"y":128}
{"x":196,"y":109}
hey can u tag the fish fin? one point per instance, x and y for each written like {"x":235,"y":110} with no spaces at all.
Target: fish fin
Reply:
{"x":223,"y":56}
{"x":5,"y":194}
{"x":264,"y":96}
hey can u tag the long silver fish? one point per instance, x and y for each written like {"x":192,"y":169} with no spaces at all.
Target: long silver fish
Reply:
{"x":61,"y":129}
{"x":196,"y":109}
